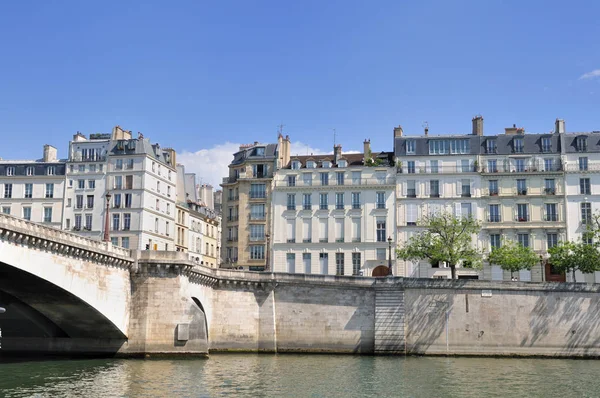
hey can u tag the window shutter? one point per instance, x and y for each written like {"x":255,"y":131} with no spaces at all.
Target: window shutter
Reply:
{"x":405,"y":188}
{"x":457,"y":212}
{"x":441,"y":188}
{"x":458,"y":188}
{"x":427,"y":186}
{"x":417,"y":188}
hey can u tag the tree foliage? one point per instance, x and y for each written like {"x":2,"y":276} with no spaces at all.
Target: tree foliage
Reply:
{"x":445,"y":238}
{"x":571,"y":256}
{"x":512,"y":256}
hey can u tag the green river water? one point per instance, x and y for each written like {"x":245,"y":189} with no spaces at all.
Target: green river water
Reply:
{"x":302,"y":376}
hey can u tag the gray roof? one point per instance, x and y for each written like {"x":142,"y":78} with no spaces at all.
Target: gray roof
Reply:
{"x":138,"y":146}
{"x":592,"y":140}
{"x":247,"y":153}
{"x":40,"y":168}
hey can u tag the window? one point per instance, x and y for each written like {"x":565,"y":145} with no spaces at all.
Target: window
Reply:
{"x":118,"y":182}
{"x":50,"y":170}
{"x":157,"y":204}
{"x":167,"y":228}
{"x":551,"y":240}
{"x":356,"y":229}
{"x":523,"y":239}
{"x":465,"y":210}
{"x":492,"y":166}
{"x":70,"y":183}
{"x":549,"y":164}
{"x":546,"y":144}
{"x":116,"y":222}
{"x":380,"y":200}
{"x":434,"y":189}
{"x":119,"y":164}
{"x":79,"y":201}
{"x":10,"y":171}
{"x":581,"y":143}
{"x":290,"y":259}
{"x":68,"y":202}
{"x":126,"y":221}
{"x":90,"y":202}
{"x":411,"y":190}
{"x":356,"y":177}
{"x":583,"y":164}
{"x":410,"y":147}
{"x":355,"y":263}
{"x":411,"y":214}
{"x":465,"y":167}
{"x":306,"y":257}
{"x":310,"y":164}
{"x":92,"y":168}
{"x":326,"y":164}
{"x":295,"y":165}
{"x":522,"y":212}
{"x":494,"y":213}
{"x":27,"y":213}
{"x":518,"y":145}
{"x":584,"y":186}
{"x":339,"y":178}
{"x":6,"y":210}
{"x":28,"y":191}
{"x":521,"y":187}
{"x":117,"y":200}
{"x":452,"y":146}
{"x":323,"y":201}
{"x":586,"y":213}
{"x":125,"y":242}
{"x":494,"y":241}
{"x":291,"y":201}
{"x":323,"y":230}
{"x":257,"y":212}
{"x":258,"y":191}
{"x":8,"y":191}
{"x":127,"y":200}
{"x":380,"y":254}
{"x":490,"y":145}
{"x":324,"y":178}
{"x":80,"y":184}
{"x":81,"y":168}
{"x":339,"y":230}
{"x":307,"y":179}
{"x":257,"y":252}
{"x":306,"y":201}
{"x":324,"y":261}
{"x":156,"y":224}
{"x":259,"y":170}
{"x":291,"y":180}
{"x":465,"y":186}
{"x":153,"y":167}
{"x":307,"y":230}
{"x":77,"y":225}
{"x":169,"y":189}
{"x":30,"y":171}
{"x":410,"y":167}
{"x":47,"y":214}
{"x":129,"y":182}
{"x":549,"y":186}
{"x":88,"y":222}
{"x":434,"y":166}
{"x":381,"y":235}
{"x":339,"y":263}
{"x":342,"y":163}
{"x":169,"y":209}
{"x":114,"y":241}
{"x":129,"y":164}
{"x":356,"y":200}
{"x":551,"y":214}
{"x":587,"y":237}
{"x":339,"y":200}
{"x":519,"y":165}
{"x":49,"y":190}
{"x":91,"y":184}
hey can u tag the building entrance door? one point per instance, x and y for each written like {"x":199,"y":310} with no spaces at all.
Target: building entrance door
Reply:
{"x":553,"y":275}
{"x":380,"y":271}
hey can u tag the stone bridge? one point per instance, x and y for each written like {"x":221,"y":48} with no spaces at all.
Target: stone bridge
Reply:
{"x":65,"y":294}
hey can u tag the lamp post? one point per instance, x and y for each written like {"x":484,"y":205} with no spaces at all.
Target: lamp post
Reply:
{"x":542,"y":268}
{"x":267,"y":256}
{"x":106,"y":220}
{"x":390,"y":256}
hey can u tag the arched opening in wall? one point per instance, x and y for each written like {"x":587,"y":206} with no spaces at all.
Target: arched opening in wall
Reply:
{"x":380,"y":271}
{"x":201,"y":307}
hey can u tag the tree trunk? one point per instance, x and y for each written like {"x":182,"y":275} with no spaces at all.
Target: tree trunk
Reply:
{"x":574,"y":281}
{"x":453,"y":271}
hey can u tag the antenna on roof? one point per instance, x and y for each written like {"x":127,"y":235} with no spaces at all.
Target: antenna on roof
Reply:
{"x":280,"y":129}
{"x":333,"y":138}
{"x":426,"y":127}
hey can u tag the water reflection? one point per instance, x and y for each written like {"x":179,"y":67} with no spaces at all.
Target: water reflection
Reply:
{"x":301,"y":376}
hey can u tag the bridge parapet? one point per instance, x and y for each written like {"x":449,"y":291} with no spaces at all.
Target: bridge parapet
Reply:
{"x":40,"y":236}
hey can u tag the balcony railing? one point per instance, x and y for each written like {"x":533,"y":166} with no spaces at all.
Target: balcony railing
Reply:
{"x":526,"y":169}
{"x":232,"y":218}
{"x":523,"y":218}
{"x":258,"y":217}
{"x":323,"y":240}
{"x":494,"y":218}
{"x":258,"y":195}
{"x":291,"y":207}
{"x":356,"y":206}
{"x":307,"y":207}
{"x":522,"y":192}
{"x":323,"y":207}
{"x":380,"y":206}
{"x":550,"y":191}
{"x":583,"y":168}
{"x":339,"y":240}
{"x":439,"y":170}
{"x":233,"y":239}
{"x":307,"y":240}
{"x":339,"y":206}
{"x":349,"y":182}
{"x":551,"y":217}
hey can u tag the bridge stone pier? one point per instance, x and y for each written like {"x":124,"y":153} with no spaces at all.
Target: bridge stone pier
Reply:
{"x":65,"y":294}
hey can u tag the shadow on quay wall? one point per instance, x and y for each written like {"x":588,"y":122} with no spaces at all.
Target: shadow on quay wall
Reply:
{"x":425,"y":320}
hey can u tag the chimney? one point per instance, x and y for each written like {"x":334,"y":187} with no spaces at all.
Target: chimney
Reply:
{"x":398,"y":131}
{"x":50,"y":154}
{"x":426,"y":130}
{"x":559,"y":126}
{"x":337,"y":152}
{"x":367,"y":149}
{"x":478,"y":125}
{"x":511,"y":130}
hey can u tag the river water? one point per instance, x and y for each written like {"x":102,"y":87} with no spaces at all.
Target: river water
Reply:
{"x":302,"y":376}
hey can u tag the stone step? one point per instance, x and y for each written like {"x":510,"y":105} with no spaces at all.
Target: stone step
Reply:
{"x":389,"y":322}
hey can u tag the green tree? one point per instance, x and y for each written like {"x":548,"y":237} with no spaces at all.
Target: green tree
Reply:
{"x":445,"y":238}
{"x":512,"y":256}
{"x":571,"y":256}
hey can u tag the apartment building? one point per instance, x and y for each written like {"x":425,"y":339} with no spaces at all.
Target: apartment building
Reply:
{"x":246,"y":203}
{"x":85,"y":201}
{"x":333,"y":214}
{"x":34,"y":189}
{"x":512,"y":182}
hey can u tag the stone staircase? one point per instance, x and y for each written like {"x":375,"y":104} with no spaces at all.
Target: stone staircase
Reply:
{"x":389,"y":321}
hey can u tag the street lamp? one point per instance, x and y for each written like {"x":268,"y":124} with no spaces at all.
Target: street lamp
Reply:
{"x":542,"y":268}
{"x":267,"y":256}
{"x":106,"y":221}
{"x":390,"y":256}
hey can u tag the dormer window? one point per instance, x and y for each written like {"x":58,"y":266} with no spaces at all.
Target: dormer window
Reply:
{"x":260,"y":151}
{"x":546,"y":144}
{"x":295,"y":165}
{"x":342,"y":163}
{"x":326,"y":164}
{"x":10,"y":171}
{"x":410,"y":147}
{"x":490,"y":145}
{"x":50,"y":170}
{"x":310,"y":164}
{"x":30,"y":171}
{"x":581,"y":144}
{"x":518,"y":145}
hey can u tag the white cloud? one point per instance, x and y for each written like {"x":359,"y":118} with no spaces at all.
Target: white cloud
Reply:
{"x":590,"y":75}
{"x":210,"y":165}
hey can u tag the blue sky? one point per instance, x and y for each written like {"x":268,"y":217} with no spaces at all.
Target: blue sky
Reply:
{"x":196,"y":75}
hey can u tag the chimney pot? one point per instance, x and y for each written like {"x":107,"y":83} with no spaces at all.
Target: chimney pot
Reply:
{"x":398,"y":131}
{"x":478,"y":125}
